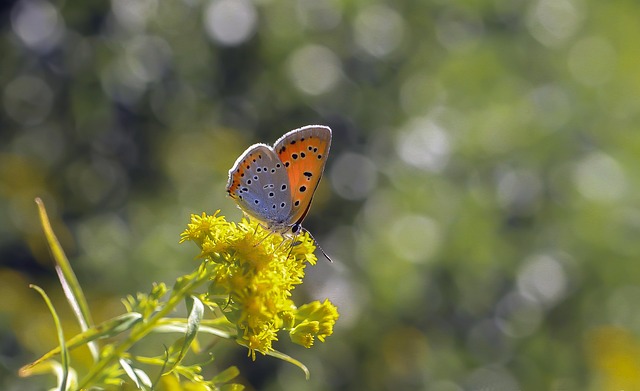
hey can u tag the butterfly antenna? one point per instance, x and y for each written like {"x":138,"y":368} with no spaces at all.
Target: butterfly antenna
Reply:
{"x":317,"y":244}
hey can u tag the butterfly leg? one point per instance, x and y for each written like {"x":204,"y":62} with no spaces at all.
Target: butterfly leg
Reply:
{"x":263,"y":239}
{"x":294,"y":242}
{"x":284,"y":239}
{"x":295,"y":229}
{"x":255,"y":233}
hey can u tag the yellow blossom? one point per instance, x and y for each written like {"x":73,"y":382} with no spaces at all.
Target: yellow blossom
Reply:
{"x":315,"y":319}
{"x":252,"y":273}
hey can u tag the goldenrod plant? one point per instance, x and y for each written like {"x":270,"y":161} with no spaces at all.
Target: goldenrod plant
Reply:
{"x":240,"y":291}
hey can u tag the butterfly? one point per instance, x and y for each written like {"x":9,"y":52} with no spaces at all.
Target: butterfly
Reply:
{"x":275,"y":185}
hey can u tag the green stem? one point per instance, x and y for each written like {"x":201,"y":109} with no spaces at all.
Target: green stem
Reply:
{"x":144,"y":328}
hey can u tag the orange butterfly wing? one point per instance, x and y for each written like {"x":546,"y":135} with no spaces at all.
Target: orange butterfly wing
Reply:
{"x":304,"y":153}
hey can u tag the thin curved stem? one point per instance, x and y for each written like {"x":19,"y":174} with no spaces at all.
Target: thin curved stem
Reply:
{"x":143,"y":328}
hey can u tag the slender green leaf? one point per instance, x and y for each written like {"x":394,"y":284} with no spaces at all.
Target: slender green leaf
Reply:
{"x":70,"y":285}
{"x":289,"y":359}
{"x":106,"y":329}
{"x":64,"y":353}
{"x":139,"y":377}
{"x":226,"y":375}
{"x":55,"y":368}
{"x":196,"y":312}
{"x":175,"y":327}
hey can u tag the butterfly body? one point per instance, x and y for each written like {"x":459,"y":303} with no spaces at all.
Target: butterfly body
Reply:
{"x":275,"y":185}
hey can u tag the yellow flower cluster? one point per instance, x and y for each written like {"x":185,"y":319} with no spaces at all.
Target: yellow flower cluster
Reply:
{"x":252,"y":278}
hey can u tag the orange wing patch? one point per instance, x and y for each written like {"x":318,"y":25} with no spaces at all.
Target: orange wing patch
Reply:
{"x":304,"y":157}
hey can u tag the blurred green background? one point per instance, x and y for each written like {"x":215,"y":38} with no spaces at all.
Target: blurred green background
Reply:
{"x":481,"y":199}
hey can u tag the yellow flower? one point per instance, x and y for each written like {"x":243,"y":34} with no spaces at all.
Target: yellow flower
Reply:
{"x":260,"y":342}
{"x":315,"y":319}
{"x":252,"y":274}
